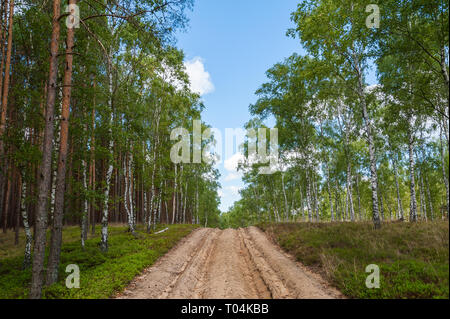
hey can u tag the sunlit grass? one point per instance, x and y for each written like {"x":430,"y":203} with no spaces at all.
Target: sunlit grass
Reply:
{"x":413,"y":258}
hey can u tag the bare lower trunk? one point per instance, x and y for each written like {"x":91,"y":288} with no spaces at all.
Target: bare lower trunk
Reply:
{"x":359,"y":196}
{"x":316,"y":201}
{"x":423,"y":201}
{"x":185,"y":203}
{"x":308,"y":197}
{"x":399,"y":198}
{"x":196,"y":203}
{"x":413,"y":202}
{"x":105,"y":213}
{"x":382,"y":206}
{"x":45,"y":170}
{"x":430,"y":202}
{"x":285,"y":197}
{"x":372,"y":156}
{"x":60,"y":187}
{"x":174,"y":196}
{"x":444,"y":172}
{"x":84,"y":217}
{"x":131,"y":220}
{"x":26,"y":225}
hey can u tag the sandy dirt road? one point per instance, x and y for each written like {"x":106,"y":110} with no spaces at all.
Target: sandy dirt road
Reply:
{"x":228,"y":264}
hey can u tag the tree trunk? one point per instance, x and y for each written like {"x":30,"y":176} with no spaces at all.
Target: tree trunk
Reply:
{"x":413,"y":202}
{"x":430,"y":202}
{"x":105,"y":213}
{"x":45,"y":170}
{"x":373,"y":161}
{"x":56,"y":236}
{"x":286,"y":205}
{"x":399,"y":198}
{"x":28,"y":236}
{"x":359,"y":196}
{"x":444,"y":173}
{"x":174,"y":196}
{"x":5,"y":86}
{"x":84,"y":216}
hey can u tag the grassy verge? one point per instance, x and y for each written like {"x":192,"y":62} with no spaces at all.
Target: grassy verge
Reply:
{"x":101,"y":275}
{"x":413,"y":258}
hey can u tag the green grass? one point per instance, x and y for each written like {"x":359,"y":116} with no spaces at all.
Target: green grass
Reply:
{"x":101,"y":274}
{"x":413,"y":258}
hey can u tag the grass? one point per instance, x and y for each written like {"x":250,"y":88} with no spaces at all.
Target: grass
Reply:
{"x":413,"y":258}
{"x":102,"y":275}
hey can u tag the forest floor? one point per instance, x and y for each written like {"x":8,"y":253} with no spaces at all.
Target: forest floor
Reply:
{"x":102,"y":275}
{"x":413,"y":258}
{"x":228,"y":264}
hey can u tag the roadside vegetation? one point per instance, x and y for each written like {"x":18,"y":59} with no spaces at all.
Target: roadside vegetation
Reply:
{"x":413,"y":257}
{"x":101,"y":274}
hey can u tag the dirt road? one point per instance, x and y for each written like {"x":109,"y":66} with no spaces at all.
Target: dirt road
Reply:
{"x":227,"y":264}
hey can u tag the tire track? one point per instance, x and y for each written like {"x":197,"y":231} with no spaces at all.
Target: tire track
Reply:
{"x":228,"y":264}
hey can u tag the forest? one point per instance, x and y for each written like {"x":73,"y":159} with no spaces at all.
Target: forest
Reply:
{"x":91,"y":90}
{"x":350,"y":151}
{"x":116,"y":77}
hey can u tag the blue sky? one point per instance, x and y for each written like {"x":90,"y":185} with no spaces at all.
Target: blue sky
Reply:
{"x":235,"y":42}
{"x":229,"y":45}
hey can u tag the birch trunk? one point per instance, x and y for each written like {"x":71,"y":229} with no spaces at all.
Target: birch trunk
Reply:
{"x":423,"y":202}
{"x":105,"y":208}
{"x":413,"y":202}
{"x":316,"y":201}
{"x":26,"y":225}
{"x":359,"y":196}
{"x":285,"y":197}
{"x":444,"y":173}
{"x":371,"y":144}
{"x":308,"y":197}
{"x":430,"y":202}
{"x":185,"y":202}
{"x":174,"y":196}
{"x":399,"y":199}
{"x":196,"y":203}
{"x":330,"y":197}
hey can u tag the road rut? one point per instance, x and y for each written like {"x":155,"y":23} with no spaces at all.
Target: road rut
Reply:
{"x":228,"y":264}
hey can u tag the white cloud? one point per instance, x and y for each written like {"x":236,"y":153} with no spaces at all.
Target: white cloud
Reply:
{"x":200,"y":79}
{"x":231,"y":164}
{"x":232,"y":177}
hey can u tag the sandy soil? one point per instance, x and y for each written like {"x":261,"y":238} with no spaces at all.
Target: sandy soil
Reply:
{"x":228,"y":264}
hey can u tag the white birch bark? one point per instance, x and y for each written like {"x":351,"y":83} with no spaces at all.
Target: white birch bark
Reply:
{"x":413,"y":201}
{"x":105,"y":212}
{"x":399,"y":199}
{"x":371,"y":144}
{"x":174,"y":206}
{"x":285,"y":197}
{"x":26,"y":225}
